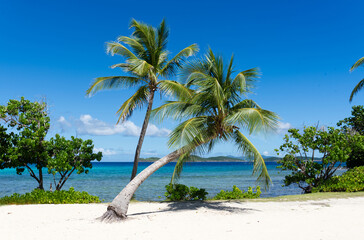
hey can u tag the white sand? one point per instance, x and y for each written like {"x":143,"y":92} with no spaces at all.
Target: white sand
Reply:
{"x":325,"y":219}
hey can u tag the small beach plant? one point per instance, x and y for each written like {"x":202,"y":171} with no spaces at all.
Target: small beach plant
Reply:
{"x":212,"y":109}
{"x":148,"y":68}
{"x":38,"y":196}
{"x":236,"y":193}
{"x":350,"y":181}
{"x":180,"y":192}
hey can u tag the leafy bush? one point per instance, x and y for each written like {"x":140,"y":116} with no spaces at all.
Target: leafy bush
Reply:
{"x":38,"y":196}
{"x":236,"y":193}
{"x":355,"y":125}
{"x":334,"y":145}
{"x":180,"y":192}
{"x":350,"y":181}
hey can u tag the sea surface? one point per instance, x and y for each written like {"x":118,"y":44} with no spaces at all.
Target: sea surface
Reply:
{"x":107,"y":179}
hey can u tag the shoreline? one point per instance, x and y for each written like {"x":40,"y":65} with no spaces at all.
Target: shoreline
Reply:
{"x":332,"y":218}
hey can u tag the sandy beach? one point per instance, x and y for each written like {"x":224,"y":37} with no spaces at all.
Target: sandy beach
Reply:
{"x":323,"y":219}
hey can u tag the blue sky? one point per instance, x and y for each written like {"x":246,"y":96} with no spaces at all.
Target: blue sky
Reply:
{"x":304,"y":49}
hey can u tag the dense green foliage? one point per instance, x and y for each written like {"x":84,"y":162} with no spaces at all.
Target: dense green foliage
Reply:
{"x":67,"y":156}
{"x":213,"y":108}
{"x":23,"y":128}
{"x":355,"y":125}
{"x":26,"y":145}
{"x":355,"y":122}
{"x":350,"y":181}
{"x":236,"y":193}
{"x":334,"y":145}
{"x":180,"y":192}
{"x":38,"y":196}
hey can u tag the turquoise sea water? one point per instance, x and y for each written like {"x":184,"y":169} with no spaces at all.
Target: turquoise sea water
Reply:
{"x":107,"y":179}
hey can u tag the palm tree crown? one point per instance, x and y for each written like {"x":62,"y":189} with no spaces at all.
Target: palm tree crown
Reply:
{"x":146,"y":60}
{"x":212,"y":102}
{"x":359,"y":86}
{"x":213,"y":110}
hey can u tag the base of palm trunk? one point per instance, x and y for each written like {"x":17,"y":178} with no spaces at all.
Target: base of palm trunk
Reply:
{"x":118,"y":208}
{"x":111,"y":216}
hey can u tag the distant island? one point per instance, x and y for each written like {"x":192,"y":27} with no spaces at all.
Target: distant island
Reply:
{"x":195,"y":158}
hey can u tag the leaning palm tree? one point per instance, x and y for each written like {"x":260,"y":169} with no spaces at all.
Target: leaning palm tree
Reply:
{"x":146,"y":63}
{"x":358,"y":86}
{"x":212,"y":108}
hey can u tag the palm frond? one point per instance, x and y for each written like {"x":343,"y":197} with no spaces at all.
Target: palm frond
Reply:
{"x":243,"y":81}
{"x":147,"y":37}
{"x":179,"y":166}
{"x":254,"y":119}
{"x":137,"y":100}
{"x":230,"y":70}
{"x":103,"y":83}
{"x":177,"y":110}
{"x":186,"y":134}
{"x":246,"y":103}
{"x":163,"y":56}
{"x":140,"y":67}
{"x":173,"y":88}
{"x":162,"y":36}
{"x":357,"y":64}
{"x":249,"y":150}
{"x":356,"y":89}
{"x":193,"y":66}
{"x":118,"y":48}
{"x":134,"y":44}
{"x":176,"y":62}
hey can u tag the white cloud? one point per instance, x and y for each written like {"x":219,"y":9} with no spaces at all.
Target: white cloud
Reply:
{"x":63,"y":123}
{"x":265,"y":153}
{"x":106,"y":152}
{"x":154,"y":131}
{"x":283,"y":127}
{"x":87,"y":125}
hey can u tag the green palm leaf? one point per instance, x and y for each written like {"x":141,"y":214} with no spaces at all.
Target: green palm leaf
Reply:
{"x":356,"y":89}
{"x":173,"y":88}
{"x":103,"y":83}
{"x":118,"y":48}
{"x":254,"y":119}
{"x":243,"y":81}
{"x":186,"y":133}
{"x":135,"y":45}
{"x":175,"y":63}
{"x":249,"y":150}
{"x":357,"y":64}
{"x":137,"y":100}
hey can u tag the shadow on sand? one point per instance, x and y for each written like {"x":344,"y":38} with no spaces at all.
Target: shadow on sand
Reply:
{"x":196,"y":205}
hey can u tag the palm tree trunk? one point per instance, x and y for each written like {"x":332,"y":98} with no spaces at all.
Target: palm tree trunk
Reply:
{"x":142,"y":135}
{"x":119,"y":206}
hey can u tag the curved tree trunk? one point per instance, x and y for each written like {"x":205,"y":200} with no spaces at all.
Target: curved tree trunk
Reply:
{"x":142,"y":135}
{"x":119,"y":206}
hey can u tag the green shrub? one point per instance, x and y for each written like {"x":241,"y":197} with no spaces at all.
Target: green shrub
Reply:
{"x":38,"y":196}
{"x":236,"y":193}
{"x":350,"y":181}
{"x":180,"y":192}
{"x":197,"y":194}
